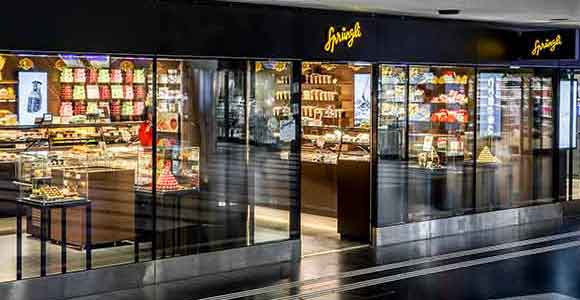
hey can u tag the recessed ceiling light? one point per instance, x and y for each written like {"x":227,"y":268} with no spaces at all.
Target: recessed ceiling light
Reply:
{"x":449,"y":11}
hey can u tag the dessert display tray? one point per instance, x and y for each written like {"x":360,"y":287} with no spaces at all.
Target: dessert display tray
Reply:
{"x":74,"y":201}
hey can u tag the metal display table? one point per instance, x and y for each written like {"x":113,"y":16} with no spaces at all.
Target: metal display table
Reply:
{"x":45,"y":207}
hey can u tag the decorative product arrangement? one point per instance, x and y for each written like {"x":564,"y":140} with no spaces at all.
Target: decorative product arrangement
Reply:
{"x":486,"y":157}
{"x":95,"y":89}
{"x":335,"y":113}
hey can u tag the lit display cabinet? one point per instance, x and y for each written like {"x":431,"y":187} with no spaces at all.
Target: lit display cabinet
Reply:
{"x":177,"y":169}
{"x":441,"y":111}
{"x":392,"y":111}
{"x":46,"y":178}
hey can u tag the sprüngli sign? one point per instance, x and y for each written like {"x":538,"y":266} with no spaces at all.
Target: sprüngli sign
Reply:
{"x":343,"y":36}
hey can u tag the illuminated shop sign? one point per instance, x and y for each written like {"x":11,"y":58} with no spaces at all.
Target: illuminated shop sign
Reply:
{"x":547,"y":44}
{"x":344,"y":35}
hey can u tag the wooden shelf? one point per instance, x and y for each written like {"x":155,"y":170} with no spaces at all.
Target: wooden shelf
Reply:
{"x":8,"y":82}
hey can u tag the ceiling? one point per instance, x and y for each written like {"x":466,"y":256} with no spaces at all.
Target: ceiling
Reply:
{"x":537,"y":12}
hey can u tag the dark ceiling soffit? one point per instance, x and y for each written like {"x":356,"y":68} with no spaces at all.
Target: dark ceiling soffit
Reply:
{"x":317,"y":11}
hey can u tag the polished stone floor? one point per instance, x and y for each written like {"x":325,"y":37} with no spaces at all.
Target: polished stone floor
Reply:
{"x":537,"y":261}
{"x":319,"y":236}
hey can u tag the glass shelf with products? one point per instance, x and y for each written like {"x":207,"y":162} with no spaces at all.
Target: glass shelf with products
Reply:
{"x":20,"y":138}
{"x":541,"y":94}
{"x":441,"y":112}
{"x":335,"y":112}
{"x":392,"y":110}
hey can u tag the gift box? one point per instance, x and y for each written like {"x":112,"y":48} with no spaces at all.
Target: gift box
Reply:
{"x":105,"y":92}
{"x":93,"y":92}
{"x":80,"y":75}
{"x":79,"y":92}
{"x":127,"y":108}
{"x":116,"y":76}
{"x":104,"y":76}
{"x":138,"y":108}
{"x":66,"y":109}
{"x":66,"y":92}
{"x":139,"y":76}
{"x":92,"y":108}
{"x":79,"y":108}
{"x":93,"y":76}
{"x":128,"y":92}
{"x":117,"y":91}
{"x":115,"y":108}
{"x":129,"y":76}
{"x":139,"y":92}
{"x":66,"y":75}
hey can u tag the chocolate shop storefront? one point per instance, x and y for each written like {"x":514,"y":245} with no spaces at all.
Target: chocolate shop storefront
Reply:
{"x":157,"y":141}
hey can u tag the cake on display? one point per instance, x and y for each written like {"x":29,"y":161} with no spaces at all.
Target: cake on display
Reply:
{"x":167,"y":181}
{"x":486,"y":157}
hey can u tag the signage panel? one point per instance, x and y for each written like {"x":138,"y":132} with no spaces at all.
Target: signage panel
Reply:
{"x":552,"y":44}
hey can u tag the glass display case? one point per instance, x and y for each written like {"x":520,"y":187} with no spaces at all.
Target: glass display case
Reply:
{"x":441,"y":112}
{"x":46,"y":178}
{"x":541,"y":93}
{"x":392,"y":111}
{"x":177,"y":169}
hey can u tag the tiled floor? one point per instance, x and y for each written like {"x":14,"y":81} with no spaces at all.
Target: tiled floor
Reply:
{"x":319,"y":233}
{"x":319,"y":236}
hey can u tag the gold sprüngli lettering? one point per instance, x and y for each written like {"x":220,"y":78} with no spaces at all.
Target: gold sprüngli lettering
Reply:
{"x":551,"y":45}
{"x":345,"y":35}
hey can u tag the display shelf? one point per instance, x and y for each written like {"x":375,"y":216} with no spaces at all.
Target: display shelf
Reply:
{"x":60,"y":202}
{"x":9,"y":82}
{"x":74,"y":125}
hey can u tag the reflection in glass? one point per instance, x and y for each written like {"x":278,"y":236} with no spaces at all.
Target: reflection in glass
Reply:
{"x":441,"y":124}
{"x":514,"y":143}
{"x":273,"y":166}
{"x":391,"y":149}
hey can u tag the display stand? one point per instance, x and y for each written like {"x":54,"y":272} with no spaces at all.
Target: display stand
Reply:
{"x":45,"y":207}
{"x":169,"y":219}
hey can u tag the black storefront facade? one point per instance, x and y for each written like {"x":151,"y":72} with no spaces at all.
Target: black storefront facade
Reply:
{"x":426,"y":174}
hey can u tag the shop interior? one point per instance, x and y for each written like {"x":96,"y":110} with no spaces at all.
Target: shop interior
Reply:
{"x":335,"y":164}
{"x":77,"y":132}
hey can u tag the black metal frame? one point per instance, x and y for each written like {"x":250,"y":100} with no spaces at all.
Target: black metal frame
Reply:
{"x":45,"y":232}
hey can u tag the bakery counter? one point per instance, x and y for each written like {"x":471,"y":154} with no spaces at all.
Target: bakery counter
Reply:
{"x":318,"y":188}
{"x":353,"y":198}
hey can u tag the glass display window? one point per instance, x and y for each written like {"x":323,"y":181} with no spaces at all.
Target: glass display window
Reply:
{"x":392,"y":111}
{"x":441,"y":111}
{"x":271,"y":120}
{"x":514,"y":124}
